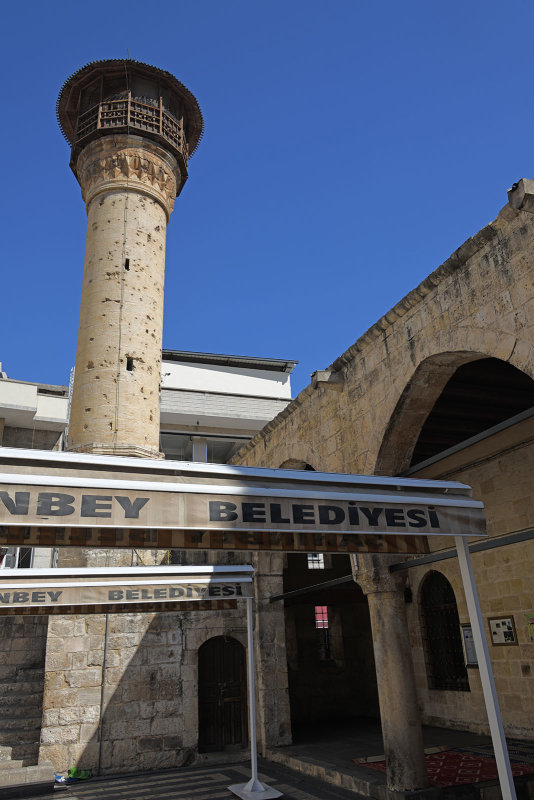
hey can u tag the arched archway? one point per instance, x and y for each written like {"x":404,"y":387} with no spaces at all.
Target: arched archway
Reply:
{"x":413,"y":407}
{"x":441,"y":634}
{"x":331,"y":669}
{"x":450,"y":398}
{"x":222,"y":695}
{"x":478,"y":396}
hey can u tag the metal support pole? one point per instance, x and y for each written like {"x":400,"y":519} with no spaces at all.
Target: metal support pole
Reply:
{"x":486,"y":675}
{"x":200,"y":449}
{"x":253,"y":790}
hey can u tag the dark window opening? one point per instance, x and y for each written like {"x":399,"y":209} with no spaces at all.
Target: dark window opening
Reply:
{"x":176,"y":557}
{"x":321,"y":627}
{"x":130,"y":364}
{"x":441,"y":635}
{"x":127,"y":264}
{"x":179,"y":447}
{"x":25,"y":557}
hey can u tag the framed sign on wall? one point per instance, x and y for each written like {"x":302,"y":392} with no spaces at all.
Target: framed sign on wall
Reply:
{"x":502,"y":630}
{"x":470,"y":656}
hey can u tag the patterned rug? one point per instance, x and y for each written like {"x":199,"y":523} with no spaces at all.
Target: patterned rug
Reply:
{"x":518,"y":749}
{"x":468,"y":765}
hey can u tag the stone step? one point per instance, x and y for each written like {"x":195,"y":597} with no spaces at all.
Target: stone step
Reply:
{"x":15,"y":701}
{"x":10,"y":673}
{"x":20,"y":740}
{"x":27,"y":781}
{"x":12,"y":723}
{"x":11,"y":765}
{"x":27,"y":754}
{"x":19,"y":688}
{"x":14,"y":743}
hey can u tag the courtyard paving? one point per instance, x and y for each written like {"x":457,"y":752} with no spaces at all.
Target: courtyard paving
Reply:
{"x":199,"y":783}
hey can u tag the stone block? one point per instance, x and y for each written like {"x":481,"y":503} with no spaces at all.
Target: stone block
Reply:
{"x":95,"y":625}
{"x":79,"y":661}
{"x":128,"y":730}
{"x":64,"y":734}
{"x":61,"y":626}
{"x":83,"y":678}
{"x":150,"y":744}
{"x":59,"y":661}
{"x":521,"y":195}
{"x":88,"y":730}
{"x":172,"y":742}
{"x":164,"y":726}
{"x":124,"y":752}
{"x":79,"y":714}
{"x":164,"y":759}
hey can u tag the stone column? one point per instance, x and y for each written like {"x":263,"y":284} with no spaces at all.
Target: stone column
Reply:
{"x":128,"y":185}
{"x":399,"y":710}
{"x":272,"y":690}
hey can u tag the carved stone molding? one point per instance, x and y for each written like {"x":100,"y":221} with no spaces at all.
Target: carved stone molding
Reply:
{"x":373,"y":575}
{"x":521,"y":195}
{"x":128,"y":163}
{"x":105,"y":449}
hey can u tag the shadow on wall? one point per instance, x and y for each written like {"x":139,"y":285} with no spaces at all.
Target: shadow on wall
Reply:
{"x":22,"y":649}
{"x":144,"y":668}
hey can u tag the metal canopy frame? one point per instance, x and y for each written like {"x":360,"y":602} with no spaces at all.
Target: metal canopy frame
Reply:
{"x":489,"y":690}
{"x":98,"y":577}
{"x":188,"y":477}
{"x":61,"y":499}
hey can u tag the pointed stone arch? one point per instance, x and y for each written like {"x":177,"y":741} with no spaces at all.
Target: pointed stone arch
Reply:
{"x":436,"y":361}
{"x":413,"y":407}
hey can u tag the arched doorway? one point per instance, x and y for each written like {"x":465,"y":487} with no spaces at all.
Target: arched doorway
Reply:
{"x":222,"y":695}
{"x":331,"y":670}
{"x":329,"y":646}
{"x":441,"y":635}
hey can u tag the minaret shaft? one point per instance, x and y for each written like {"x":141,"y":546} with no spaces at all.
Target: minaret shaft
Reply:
{"x":128,"y":184}
{"x":132,"y":128}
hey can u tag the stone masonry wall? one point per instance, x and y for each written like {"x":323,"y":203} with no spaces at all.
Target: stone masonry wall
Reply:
{"x":22,"y":648}
{"x":505,"y":585}
{"x":146,"y":673}
{"x":364,"y":415}
{"x":480,"y":302}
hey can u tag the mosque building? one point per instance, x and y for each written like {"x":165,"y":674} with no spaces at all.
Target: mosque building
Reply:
{"x":441,"y":387}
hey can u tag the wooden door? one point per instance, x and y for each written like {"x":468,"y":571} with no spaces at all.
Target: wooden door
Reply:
{"x":222,"y":695}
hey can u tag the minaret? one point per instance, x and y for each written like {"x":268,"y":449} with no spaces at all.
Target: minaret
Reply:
{"x":131,"y":127}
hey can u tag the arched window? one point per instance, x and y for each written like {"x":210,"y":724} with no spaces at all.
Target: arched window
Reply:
{"x":441,"y":633}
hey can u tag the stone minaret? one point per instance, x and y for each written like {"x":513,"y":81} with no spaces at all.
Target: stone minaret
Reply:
{"x":132,"y":128}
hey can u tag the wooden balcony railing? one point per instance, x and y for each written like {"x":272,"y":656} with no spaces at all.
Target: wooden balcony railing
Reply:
{"x":129,"y":113}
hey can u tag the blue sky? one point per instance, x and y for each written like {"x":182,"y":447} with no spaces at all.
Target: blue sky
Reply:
{"x":350,"y":148}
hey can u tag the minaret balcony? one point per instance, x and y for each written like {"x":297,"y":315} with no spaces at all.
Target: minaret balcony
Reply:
{"x":129,"y":114}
